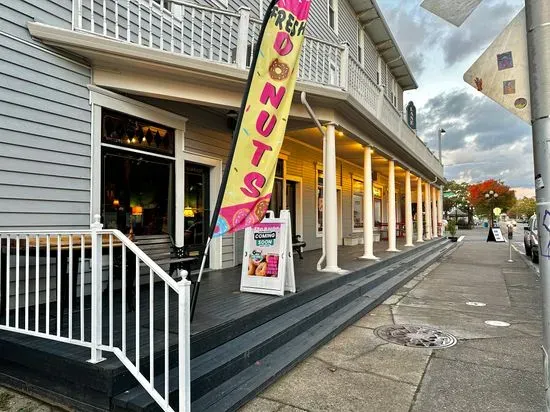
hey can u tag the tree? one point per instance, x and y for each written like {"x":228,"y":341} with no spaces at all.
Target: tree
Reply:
{"x":455,"y":194}
{"x":506,"y":197}
{"x":524,"y":207}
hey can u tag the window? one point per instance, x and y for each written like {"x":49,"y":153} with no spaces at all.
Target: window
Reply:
{"x":122,"y":130}
{"x":360,"y":44}
{"x":358,"y":190}
{"x":377,"y":212}
{"x":319,"y":197}
{"x":166,"y":4}
{"x":333,"y":15}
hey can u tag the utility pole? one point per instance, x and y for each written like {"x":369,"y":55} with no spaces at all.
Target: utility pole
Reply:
{"x":538,"y":39}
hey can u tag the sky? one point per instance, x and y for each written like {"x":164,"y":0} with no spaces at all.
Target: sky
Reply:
{"x":483,"y":140}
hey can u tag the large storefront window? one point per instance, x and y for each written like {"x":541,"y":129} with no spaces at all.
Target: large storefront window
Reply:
{"x":358,"y":190}
{"x":136,"y":193}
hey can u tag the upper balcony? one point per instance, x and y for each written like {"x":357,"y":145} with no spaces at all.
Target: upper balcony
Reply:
{"x":228,"y":39}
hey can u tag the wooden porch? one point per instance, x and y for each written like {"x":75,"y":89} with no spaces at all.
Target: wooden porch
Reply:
{"x":61,"y":373}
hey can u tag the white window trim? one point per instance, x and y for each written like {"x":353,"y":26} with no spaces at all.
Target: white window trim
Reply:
{"x":361,"y":44}
{"x":101,"y":98}
{"x":335,"y":29}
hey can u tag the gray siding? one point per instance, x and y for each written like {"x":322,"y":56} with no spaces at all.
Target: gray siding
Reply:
{"x":44,"y":124}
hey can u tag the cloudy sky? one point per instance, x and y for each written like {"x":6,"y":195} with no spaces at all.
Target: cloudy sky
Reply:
{"x":483,"y":140}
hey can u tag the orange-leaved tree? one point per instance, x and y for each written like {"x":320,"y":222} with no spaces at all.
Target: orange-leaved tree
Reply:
{"x":483,"y":206}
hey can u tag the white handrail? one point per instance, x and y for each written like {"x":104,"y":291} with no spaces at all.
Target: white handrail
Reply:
{"x":22,"y":250}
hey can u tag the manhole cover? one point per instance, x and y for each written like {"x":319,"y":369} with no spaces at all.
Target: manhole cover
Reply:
{"x":476,"y":304}
{"x":416,"y":336}
{"x":496,"y":323}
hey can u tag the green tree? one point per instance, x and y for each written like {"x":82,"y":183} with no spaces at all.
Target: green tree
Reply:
{"x":455,"y":194}
{"x":524,"y":207}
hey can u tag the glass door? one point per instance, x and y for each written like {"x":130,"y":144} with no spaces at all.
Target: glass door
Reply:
{"x":197,"y":207}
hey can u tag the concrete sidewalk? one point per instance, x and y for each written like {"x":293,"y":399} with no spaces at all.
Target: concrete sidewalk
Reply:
{"x":490,"y":368}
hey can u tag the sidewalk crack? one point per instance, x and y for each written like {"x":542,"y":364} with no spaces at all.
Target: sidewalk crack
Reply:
{"x":413,"y":402}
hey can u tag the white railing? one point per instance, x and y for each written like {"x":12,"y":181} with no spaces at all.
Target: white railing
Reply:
{"x":320,"y":62}
{"x":47,"y":300}
{"x":361,"y":86}
{"x":390,"y":117}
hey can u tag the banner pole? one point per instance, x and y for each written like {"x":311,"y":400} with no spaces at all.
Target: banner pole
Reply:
{"x":227,"y":169}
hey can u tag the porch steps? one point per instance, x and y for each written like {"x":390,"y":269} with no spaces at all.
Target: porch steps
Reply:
{"x":231,"y":374}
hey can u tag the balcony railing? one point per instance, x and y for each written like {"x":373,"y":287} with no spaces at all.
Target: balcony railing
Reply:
{"x":229,"y":38}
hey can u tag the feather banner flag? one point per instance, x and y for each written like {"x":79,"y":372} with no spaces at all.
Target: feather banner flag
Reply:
{"x":250,"y":172}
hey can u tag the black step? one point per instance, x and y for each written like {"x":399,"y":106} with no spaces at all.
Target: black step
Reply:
{"x":214,"y":369}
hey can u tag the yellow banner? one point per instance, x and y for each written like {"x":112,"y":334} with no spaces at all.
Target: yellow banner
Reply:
{"x":261,"y":134}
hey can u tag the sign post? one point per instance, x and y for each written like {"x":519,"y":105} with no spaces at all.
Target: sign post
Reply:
{"x":510,"y":237}
{"x":538,"y":37}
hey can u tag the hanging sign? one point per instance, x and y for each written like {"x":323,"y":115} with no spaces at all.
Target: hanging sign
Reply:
{"x":411,"y":115}
{"x":268,"y":265}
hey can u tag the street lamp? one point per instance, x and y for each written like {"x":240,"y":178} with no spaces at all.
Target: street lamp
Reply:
{"x":440,"y":133}
{"x":491,"y":196}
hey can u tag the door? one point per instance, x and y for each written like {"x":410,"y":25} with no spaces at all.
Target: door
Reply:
{"x":291,"y":204}
{"x":197,"y":207}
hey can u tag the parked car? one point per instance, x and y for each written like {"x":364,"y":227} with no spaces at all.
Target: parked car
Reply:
{"x":531,"y":239}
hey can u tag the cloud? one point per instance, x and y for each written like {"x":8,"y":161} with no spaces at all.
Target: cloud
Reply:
{"x":483,"y":140}
{"x":477,"y":32}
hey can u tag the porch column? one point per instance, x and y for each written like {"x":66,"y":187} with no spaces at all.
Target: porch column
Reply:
{"x":428,"y":211}
{"x":408,"y":210}
{"x":434,"y":211}
{"x":392,"y":234}
{"x":419,"y":214}
{"x":368,"y":226}
{"x":330,"y":202}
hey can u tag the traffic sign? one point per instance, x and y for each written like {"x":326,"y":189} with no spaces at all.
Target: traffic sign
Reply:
{"x":502,"y":71}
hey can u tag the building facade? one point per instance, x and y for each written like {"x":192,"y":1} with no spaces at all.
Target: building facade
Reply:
{"x":126,"y":108}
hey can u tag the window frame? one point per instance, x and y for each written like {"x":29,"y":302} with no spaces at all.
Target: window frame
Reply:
{"x":353,"y":195}
{"x":333,"y":5}
{"x":360,"y":45}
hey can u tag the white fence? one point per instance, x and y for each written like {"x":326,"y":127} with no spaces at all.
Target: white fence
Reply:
{"x":43,"y":297}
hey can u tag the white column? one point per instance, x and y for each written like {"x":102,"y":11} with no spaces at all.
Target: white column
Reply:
{"x":408,"y":210}
{"x":428,"y":211}
{"x":419,"y":210}
{"x":392,"y":233}
{"x":434,"y":212}
{"x":330,"y":203}
{"x":368,"y":224}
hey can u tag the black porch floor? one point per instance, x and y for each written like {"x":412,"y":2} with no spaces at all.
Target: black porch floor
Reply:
{"x":223,"y":312}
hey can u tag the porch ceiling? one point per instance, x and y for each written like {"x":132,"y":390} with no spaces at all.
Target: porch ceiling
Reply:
{"x":347,"y":149}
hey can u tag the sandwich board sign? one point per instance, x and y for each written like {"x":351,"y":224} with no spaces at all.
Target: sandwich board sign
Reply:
{"x":495,"y":235}
{"x":268,"y":264}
